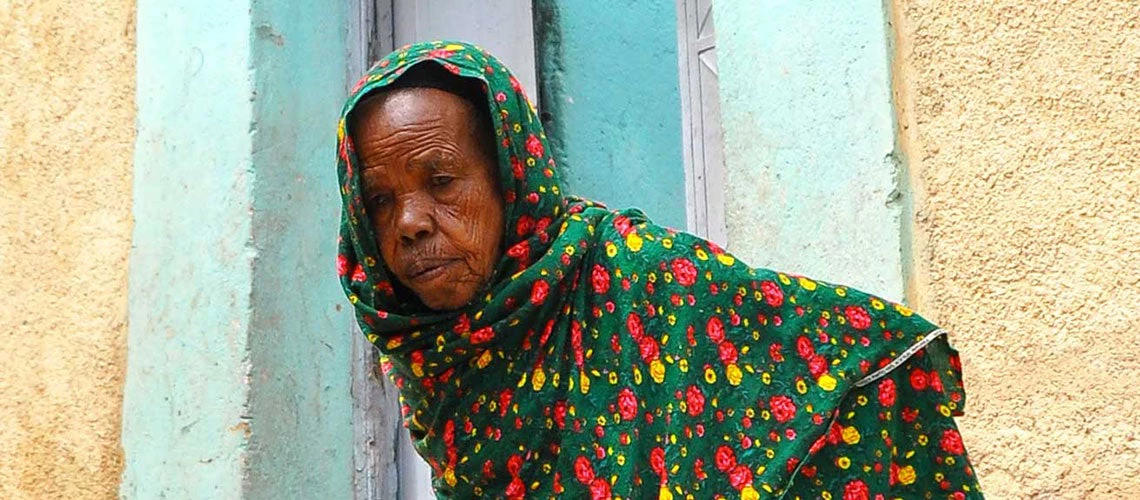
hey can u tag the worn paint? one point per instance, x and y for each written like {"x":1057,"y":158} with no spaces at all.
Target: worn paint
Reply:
{"x":237,"y":379}
{"x":1019,"y":120}
{"x":66,"y":134}
{"x":811,"y":174}
{"x":610,"y":102}
{"x":301,"y":443}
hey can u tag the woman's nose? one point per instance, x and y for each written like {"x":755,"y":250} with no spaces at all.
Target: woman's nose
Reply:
{"x":414,"y":220}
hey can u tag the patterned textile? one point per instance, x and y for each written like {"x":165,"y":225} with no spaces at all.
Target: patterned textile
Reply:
{"x":610,"y":357}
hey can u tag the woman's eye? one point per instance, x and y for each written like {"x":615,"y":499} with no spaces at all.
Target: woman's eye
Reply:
{"x":379,"y":200}
{"x":441,"y":180}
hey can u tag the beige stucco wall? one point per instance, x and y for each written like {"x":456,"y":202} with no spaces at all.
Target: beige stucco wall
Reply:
{"x":1021,"y":123}
{"x":66,"y":139}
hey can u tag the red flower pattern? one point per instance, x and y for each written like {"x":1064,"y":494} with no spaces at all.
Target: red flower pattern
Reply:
{"x":715,"y":329}
{"x":804,"y":347}
{"x":783,"y":409}
{"x":857,"y":317}
{"x":583,"y":470}
{"x":538,"y":292}
{"x":951,"y":442}
{"x":856,"y":490}
{"x":600,"y":278}
{"x":627,"y":404}
{"x":887,"y":392}
{"x":918,"y":380}
{"x":482,"y":335}
{"x":525,"y":225}
{"x":725,"y":458}
{"x":772,"y":292}
{"x":358,"y":274}
{"x":520,"y":251}
{"x":695,"y":400}
{"x":684,"y":271}
{"x":534,"y":146}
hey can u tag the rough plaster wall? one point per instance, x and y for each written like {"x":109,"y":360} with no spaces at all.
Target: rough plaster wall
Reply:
{"x":1020,"y":123}
{"x":66,"y":134}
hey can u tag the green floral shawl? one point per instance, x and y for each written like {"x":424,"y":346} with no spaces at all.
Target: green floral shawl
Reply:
{"x":614,"y":358}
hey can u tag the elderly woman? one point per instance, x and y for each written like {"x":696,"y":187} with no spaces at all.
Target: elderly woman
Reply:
{"x":544,"y":345}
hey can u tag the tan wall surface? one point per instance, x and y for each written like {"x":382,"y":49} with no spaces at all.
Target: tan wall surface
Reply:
{"x":1021,"y":123}
{"x":66,"y":140}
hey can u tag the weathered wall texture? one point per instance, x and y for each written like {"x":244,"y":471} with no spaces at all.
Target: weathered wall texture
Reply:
{"x":1020,"y":123}
{"x":66,"y":135}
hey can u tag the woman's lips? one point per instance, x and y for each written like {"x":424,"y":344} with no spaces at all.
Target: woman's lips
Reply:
{"x":425,"y":271}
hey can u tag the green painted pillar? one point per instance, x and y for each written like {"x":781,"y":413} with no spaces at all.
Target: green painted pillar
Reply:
{"x":609,"y":93}
{"x":238,"y":351}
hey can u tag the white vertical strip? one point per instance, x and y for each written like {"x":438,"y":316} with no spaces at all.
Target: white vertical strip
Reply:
{"x":505,"y":28}
{"x":693,"y":218}
{"x":700,"y":117}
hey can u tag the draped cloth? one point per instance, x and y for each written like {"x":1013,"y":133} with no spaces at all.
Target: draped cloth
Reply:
{"x":610,"y":357}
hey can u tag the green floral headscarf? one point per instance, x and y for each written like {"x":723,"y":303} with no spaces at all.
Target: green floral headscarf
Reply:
{"x":613,"y":358}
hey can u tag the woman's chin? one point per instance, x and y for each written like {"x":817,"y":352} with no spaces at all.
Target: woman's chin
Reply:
{"x":446,"y":300}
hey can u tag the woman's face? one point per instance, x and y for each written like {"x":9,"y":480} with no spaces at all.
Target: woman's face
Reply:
{"x":431,"y":191}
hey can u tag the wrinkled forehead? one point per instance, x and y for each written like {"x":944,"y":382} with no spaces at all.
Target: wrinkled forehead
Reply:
{"x":421,"y":125}
{"x":389,"y":112}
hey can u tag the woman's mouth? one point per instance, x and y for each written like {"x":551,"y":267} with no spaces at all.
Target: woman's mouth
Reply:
{"x":428,"y":270}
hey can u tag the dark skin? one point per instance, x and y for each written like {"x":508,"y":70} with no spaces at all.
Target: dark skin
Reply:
{"x":431,"y":191}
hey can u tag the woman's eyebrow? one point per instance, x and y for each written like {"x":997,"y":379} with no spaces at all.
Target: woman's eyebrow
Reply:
{"x":373,"y":177}
{"x":435,"y":160}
